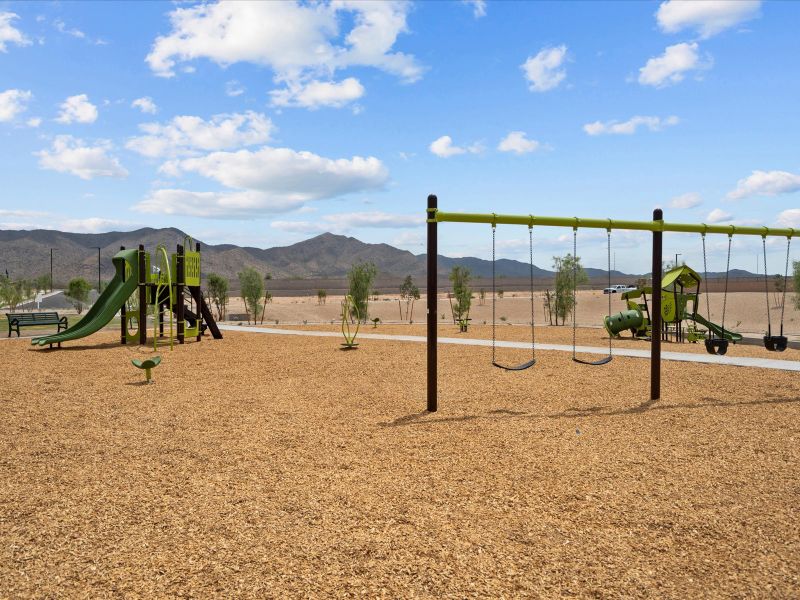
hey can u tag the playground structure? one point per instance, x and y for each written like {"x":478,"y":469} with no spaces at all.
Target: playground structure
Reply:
{"x":680,"y":301}
{"x":717,"y":340}
{"x":136,"y":289}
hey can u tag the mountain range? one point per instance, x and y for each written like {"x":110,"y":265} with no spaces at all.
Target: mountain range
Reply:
{"x":26,"y":254}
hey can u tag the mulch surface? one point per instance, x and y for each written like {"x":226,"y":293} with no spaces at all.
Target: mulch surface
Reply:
{"x":261,"y":466}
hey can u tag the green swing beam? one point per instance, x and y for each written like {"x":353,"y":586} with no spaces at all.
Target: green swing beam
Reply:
{"x":657,"y":226}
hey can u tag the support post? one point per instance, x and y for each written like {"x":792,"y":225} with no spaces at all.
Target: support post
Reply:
{"x":199,"y":312}
{"x":181,"y":279}
{"x":433,"y":269}
{"x":655,"y":317}
{"x":142,"y":298}
{"x":123,"y":317}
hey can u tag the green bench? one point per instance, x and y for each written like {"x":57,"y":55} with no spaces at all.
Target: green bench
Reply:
{"x":17,"y":320}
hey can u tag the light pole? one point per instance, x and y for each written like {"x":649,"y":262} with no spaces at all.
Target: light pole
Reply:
{"x":51,"y":270}
{"x":677,"y":254}
{"x":98,"y":270}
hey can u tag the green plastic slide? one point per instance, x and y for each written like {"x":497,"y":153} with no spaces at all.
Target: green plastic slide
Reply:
{"x":729,"y":335}
{"x":110,"y":301}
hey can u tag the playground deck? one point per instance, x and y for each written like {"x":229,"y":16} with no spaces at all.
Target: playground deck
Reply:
{"x":260,"y":466}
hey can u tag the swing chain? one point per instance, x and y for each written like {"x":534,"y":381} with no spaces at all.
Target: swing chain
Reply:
{"x":493,"y":295}
{"x":574,"y":292}
{"x":725,"y":294}
{"x":785,"y":276}
{"x":533,"y":329}
{"x":705,"y":276}
{"x":608,"y":231}
{"x":766,"y":286}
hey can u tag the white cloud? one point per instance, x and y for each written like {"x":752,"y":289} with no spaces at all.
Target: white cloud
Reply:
{"x":478,"y":7}
{"x":766,"y":183}
{"x":74,"y":32}
{"x":719,"y":216}
{"x":12,"y":103}
{"x":630,"y":126}
{"x":517,"y":142}
{"x":186,"y":135}
{"x":270,"y":179}
{"x":145,"y":104}
{"x":9,"y":34}
{"x":345,"y":222}
{"x":790,"y":218}
{"x":443,"y":147}
{"x":300,"y":42}
{"x":709,"y":17}
{"x":77,"y":109}
{"x":233,"y":88}
{"x":684,"y":201}
{"x":544,"y":71}
{"x":314,"y":94}
{"x":671,"y":67}
{"x":34,"y":122}
{"x":408,"y":239}
{"x":72,"y":155}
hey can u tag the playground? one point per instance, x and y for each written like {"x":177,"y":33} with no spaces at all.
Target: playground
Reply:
{"x":278,"y":475}
{"x":269,"y":463}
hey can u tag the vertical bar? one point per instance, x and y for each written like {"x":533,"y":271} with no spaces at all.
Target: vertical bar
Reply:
{"x":51,"y":269}
{"x":123,"y":317}
{"x":181,"y":278}
{"x":199,"y":302}
{"x":655,"y":334}
{"x":142,"y":298}
{"x":433,"y":403}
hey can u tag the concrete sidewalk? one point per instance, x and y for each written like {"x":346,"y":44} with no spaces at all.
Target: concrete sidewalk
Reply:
{"x":710,"y":359}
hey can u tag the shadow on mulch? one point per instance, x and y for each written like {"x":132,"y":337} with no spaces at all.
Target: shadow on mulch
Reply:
{"x":101,"y":346}
{"x":592,"y":411}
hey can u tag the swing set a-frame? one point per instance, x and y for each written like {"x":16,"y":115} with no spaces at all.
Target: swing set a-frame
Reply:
{"x":657,"y":226}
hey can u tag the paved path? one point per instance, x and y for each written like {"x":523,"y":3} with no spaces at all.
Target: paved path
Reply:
{"x":711,"y":359}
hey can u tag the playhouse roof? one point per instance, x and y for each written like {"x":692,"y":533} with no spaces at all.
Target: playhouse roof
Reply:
{"x":685,"y":276}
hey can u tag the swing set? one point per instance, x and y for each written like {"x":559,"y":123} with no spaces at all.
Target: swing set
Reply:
{"x":716,"y":342}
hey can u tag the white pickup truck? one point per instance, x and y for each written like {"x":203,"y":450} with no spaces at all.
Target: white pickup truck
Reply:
{"x":618,"y":289}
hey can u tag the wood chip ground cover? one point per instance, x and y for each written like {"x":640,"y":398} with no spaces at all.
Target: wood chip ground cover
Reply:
{"x":258,"y":466}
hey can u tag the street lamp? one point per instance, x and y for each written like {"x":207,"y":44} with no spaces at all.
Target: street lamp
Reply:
{"x":51,"y":270}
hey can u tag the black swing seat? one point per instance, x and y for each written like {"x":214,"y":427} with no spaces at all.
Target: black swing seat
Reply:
{"x":776,"y":343}
{"x":602,"y":361}
{"x":521,"y":367}
{"x":716,"y":346}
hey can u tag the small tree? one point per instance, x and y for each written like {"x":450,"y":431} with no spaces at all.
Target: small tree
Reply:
{"x":777,"y":295}
{"x":217,"y":291}
{"x":10,"y":292}
{"x":322,"y":297}
{"x":78,"y":293}
{"x":460,"y":278}
{"x":500,"y":293}
{"x":252,"y":287}
{"x":482,"y":296}
{"x":409,"y":293}
{"x":42,"y":283}
{"x":361,"y":277}
{"x":26,"y":291}
{"x":796,"y":283}
{"x":267,"y":296}
{"x":569,"y":275}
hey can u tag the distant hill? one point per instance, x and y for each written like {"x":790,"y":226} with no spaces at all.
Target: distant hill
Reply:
{"x":26,"y":254}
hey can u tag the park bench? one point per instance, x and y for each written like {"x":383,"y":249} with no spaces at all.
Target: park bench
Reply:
{"x":17,"y":320}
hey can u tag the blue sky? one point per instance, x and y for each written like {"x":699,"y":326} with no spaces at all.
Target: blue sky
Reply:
{"x":265,"y":124}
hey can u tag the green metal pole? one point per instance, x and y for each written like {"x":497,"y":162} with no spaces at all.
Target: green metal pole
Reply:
{"x":541,"y":221}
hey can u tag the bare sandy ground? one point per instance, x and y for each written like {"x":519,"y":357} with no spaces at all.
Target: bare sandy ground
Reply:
{"x":745,"y":311}
{"x":259,"y":467}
